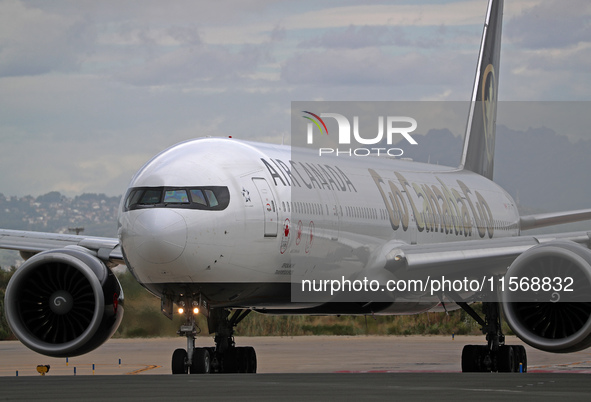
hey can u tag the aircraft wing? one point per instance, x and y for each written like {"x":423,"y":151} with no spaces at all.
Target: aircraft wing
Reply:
{"x":487,"y":257}
{"x":554,"y":218}
{"x":29,"y":243}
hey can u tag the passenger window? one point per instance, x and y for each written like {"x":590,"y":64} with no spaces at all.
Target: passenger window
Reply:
{"x":198,"y":197}
{"x":176,"y":197}
{"x":213,"y":201}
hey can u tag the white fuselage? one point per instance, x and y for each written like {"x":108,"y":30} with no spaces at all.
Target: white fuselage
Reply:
{"x":292,"y":215}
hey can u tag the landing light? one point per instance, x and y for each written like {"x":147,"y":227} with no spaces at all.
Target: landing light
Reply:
{"x":181,"y":310}
{"x":195,"y":310}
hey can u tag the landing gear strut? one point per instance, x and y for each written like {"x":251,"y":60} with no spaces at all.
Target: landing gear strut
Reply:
{"x":225,"y":357}
{"x":496,"y":356}
{"x":193,"y":360}
{"x":228,"y":357}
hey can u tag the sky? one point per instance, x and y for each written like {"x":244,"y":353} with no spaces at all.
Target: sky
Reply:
{"x":90,"y":90}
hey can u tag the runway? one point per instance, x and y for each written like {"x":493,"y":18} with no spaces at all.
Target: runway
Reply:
{"x":298,"y":387}
{"x":292,"y":368}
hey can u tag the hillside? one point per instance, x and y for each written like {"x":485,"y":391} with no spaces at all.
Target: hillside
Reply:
{"x":54,"y":212}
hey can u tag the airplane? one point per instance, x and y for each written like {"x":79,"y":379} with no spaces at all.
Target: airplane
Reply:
{"x":213,"y":226}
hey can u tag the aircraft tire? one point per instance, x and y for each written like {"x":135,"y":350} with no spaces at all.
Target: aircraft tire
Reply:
{"x":520,"y":357}
{"x":179,"y":357}
{"x":230,"y":362}
{"x":201,"y":362}
{"x":473,"y":359}
{"x":240,"y":362}
{"x":506,"y":360}
{"x":250,"y":357}
{"x":470,"y":356}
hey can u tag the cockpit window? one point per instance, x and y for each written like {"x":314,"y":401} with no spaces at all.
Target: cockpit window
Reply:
{"x":176,"y":197}
{"x":213,"y":202}
{"x":151,"y":197}
{"x":197,"y":197}
{"x":133,"y":198}
{"x":214,"y":198}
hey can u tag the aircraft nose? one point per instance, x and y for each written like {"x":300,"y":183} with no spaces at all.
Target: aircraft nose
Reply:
{"x":158,"y":236}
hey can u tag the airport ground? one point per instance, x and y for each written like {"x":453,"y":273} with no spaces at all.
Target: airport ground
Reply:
{"x":300,"y":354}
{"x":291,"y":368}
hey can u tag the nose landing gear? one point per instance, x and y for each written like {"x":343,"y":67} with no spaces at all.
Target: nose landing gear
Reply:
{"x":225,"y":357}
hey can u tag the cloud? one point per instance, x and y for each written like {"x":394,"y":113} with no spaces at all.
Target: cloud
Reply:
{"x":179,"y":55}
{"x":200,"y":63}
{"x":85,"y":83}
{"x":82,"y":133}
{"x":354,"y":37}
{"x":546,"y":74}
{"x":34,"y":42}
{"x":452,"y":13}
{"x":134,"y":33}
{"x":551,"y":24}
{"x":372,"y":66}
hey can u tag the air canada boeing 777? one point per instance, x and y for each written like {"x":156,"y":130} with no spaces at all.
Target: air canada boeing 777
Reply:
{"x":212,"y":226}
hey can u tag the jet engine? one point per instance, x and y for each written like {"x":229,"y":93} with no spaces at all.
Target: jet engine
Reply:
{"x":64,"y":303}
{"x":547,"y":297}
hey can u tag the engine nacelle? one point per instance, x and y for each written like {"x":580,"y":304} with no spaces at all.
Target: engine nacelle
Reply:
{"x":63,"y":303}
{"x":551,"y":318}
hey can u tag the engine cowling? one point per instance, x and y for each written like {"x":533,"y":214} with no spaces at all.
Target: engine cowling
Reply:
{"x":63,"y":303}
{"x":549,"y":319}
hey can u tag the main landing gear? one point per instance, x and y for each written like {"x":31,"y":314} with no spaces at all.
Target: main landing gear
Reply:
{"x":496,"y":356}
{"x":225,"y":357}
